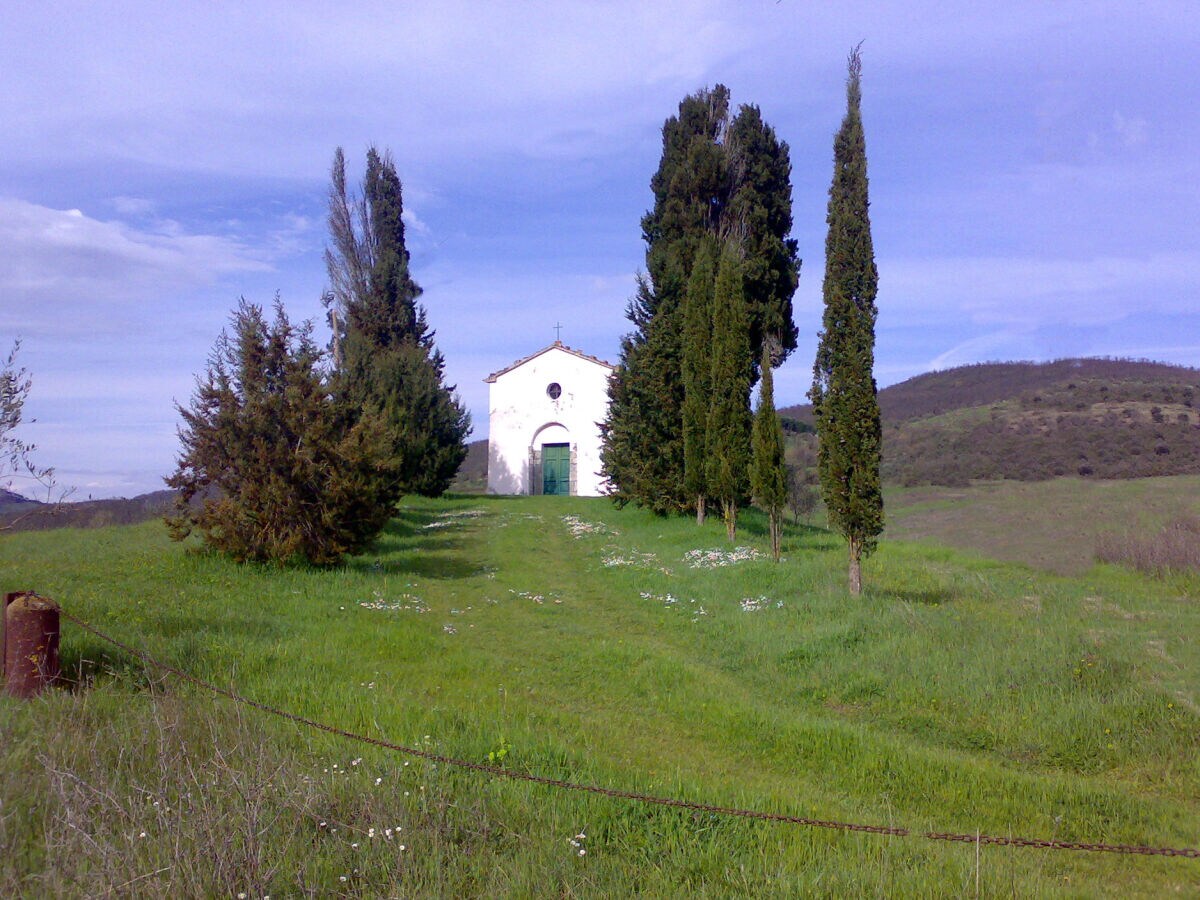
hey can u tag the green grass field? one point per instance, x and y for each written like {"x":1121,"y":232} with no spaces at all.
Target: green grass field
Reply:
{"x":959,"y":694}
{"x":1052,"y":525}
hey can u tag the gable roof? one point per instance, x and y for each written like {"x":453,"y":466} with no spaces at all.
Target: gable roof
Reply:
{"x":557,"y":345}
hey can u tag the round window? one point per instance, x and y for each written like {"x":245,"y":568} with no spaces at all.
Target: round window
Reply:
{"x":554,"y":391}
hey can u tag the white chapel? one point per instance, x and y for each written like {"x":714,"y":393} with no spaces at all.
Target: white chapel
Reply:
{"x":544,"y":424}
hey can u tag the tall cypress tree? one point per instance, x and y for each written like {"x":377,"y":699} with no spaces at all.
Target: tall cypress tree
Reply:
{"x":768,"y":476}
{"x":729,"y":414}
{"x":697,"y":377}
{"x":386,"y":359}
{"x":717,"y":180}
{"x":759,"y":215}
{"x":642,"y":454}
{"x":843,"y":394}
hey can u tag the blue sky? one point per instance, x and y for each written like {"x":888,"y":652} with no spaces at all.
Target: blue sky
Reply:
{"x":1035,"y":180}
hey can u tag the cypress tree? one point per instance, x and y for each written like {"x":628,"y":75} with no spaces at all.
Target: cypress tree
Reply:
{"x":717,"y":180}
{"x":768,"y":477}
{"x":387,"y":363}
{"x":697,"y":375}
{"x":843,"y":394}
{"x":729,"y":413}
{"x":643,"y":448}
{"x":759,"y":216}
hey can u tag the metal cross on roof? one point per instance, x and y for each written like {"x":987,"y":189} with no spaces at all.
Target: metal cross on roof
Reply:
{"x":558,"y":332}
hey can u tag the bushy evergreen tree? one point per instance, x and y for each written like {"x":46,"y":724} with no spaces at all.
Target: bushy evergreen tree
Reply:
{"x":697,"y":364}
{"x":768,"y":476}
{"x":717,"y":180}
{"x":267,"y":470}
{"x":845,"y":406}
{"x":729,"y":413}
{"x":387,"y":364}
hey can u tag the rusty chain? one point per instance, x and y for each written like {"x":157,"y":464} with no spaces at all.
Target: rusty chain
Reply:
{"x":498,"y":771}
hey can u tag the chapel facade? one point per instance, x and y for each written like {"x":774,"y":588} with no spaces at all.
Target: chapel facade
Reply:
{"x":544,"y":424}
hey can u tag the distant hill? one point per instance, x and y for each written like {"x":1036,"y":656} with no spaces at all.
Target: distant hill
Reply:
{"x":1100,"y":418}
{"x":22,"y":514}
{"x":33,"y":516}
{"x":472,"y":474}
{"x":10,"y":500}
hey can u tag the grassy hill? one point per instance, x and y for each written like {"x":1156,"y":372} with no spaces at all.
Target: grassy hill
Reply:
{"x":1095,"y":418}
{"x":566,"y":638}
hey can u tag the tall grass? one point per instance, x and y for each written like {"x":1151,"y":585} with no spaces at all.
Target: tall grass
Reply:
{"x":1173,"y":549}
{"x":958,"y":694}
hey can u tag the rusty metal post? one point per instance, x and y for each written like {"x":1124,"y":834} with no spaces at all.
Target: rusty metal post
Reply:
{"x":29,"y":644}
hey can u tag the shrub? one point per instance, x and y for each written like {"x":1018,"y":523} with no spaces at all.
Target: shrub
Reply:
{"x":268,"y":471}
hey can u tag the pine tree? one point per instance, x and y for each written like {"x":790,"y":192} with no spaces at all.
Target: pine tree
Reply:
{"x":386,"y":360}
{"x":697,"y":375}
{"x":768,"y":477}
{"x":267,"y":471}
{"x":843,"y":394}
{"x":716,"y":180}
{"x":729,"y":414}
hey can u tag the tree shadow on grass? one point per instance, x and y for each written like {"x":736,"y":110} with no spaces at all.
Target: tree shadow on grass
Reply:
{"x":426,"y":565}
{"x":180,"y":641}
{"x":407,"y":546}
{"x":85,"y":661}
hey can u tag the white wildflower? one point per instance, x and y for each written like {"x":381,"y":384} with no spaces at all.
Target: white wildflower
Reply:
{"x":711,"y":559}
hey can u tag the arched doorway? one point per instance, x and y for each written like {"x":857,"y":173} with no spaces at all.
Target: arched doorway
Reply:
{"x":551,"y":461}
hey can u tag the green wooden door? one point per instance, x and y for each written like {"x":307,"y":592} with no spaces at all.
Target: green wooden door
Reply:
{"x":556,"y":468}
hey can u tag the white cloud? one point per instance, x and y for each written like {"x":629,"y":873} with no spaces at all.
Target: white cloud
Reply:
{"x":413,"y":222}
{"x":1131,"y":131}
{"x":198,"y":89}
{"x":63,"y":272}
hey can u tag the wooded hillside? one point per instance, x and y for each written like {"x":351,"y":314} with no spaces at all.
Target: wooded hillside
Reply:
{"x":1097,"y":418}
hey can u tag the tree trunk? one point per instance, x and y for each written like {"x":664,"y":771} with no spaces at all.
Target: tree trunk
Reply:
{"x":730,"y":510}
{"x":776,"y":516}
{"x":855,"y":567}
{"x":700,"y":510}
